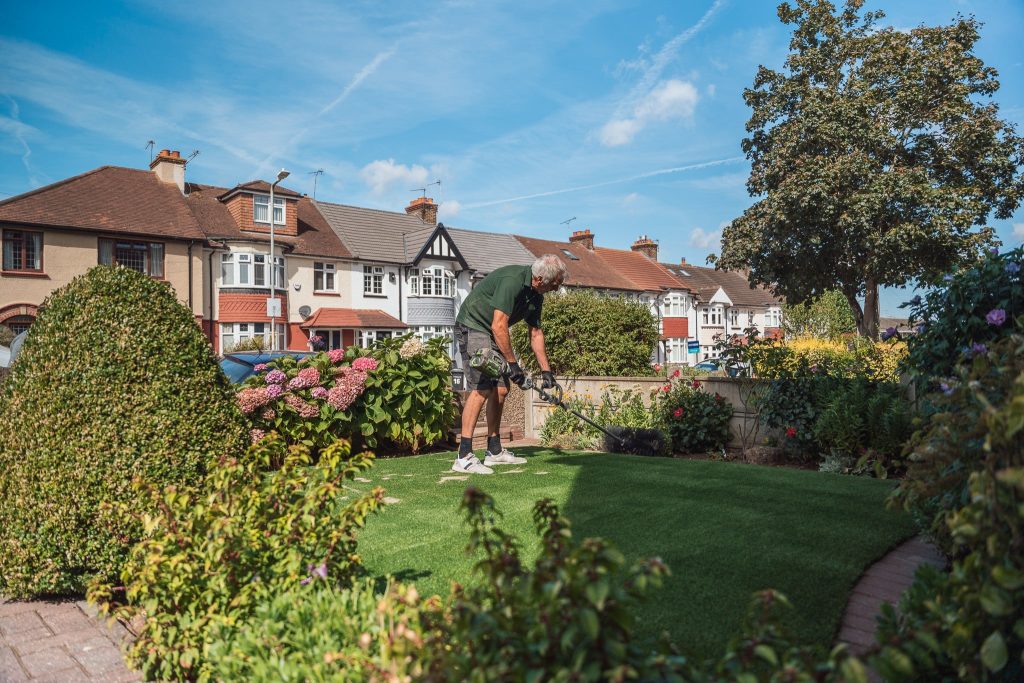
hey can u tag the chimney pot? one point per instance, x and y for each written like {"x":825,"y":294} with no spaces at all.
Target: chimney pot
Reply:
{"x":646,"y":246}
{"x":164,"y":153}
{"x":176,"y":154}
{"x":425,"y":208}
{"x":583,"y":237}
{"x":169,"y":167}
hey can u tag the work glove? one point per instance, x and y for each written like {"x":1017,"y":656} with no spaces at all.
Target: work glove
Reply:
{"x":516,"y":374}
{"x":548,"y":380}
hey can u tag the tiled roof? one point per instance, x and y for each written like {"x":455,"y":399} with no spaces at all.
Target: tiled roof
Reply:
{"x":487,"y":251}
{"x":352,"y":318}
{"x":706,"y":281}
{"x":642,"y":271}
{"x":372,"y":234}
{"x":107,"y":199}
{"x":260,"y":186}
{"x":588,"y":269}
{"x":315,"y":236}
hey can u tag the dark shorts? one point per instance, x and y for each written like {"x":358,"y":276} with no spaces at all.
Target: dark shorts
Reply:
{"x":468,"y":341}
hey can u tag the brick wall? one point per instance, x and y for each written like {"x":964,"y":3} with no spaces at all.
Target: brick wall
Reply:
{"x":240,"y":208}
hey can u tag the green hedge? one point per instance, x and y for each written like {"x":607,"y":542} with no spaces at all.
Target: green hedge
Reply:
{"x":115,"y":381}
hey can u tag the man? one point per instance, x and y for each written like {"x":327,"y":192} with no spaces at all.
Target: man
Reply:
{"x":500,"y":300}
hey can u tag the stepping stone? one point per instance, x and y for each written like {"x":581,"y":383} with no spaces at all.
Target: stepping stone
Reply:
{"x":362,"y":479}
{"x":391,"y":501}
{"x":453,"y":478}
{"x":511,"y":471}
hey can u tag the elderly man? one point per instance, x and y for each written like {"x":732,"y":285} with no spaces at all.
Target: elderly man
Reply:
{"x":500,"y":300}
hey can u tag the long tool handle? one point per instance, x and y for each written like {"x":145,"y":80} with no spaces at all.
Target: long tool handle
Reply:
{"x":556,"y":400}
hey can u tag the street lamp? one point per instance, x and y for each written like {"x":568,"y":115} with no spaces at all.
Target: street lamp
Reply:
{"x":273,"y":304}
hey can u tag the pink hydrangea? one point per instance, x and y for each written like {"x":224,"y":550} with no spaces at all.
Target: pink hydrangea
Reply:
{"x":251,"y":399}
{"x":302,"y":407}
{"x":336,"y":355}
{"x":319,"y":392}
{"x":274,"y":391}
{"x":307,"y":377}
{"x":269,"y":414}
{"x":350,"y":384}
{"x":260,"y":367}
{"x":256,"y":434}
{"x":365,"y":364}
{"x":276,"y":377}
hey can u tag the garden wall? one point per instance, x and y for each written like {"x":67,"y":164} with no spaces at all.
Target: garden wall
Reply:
{"x":734,"y":391}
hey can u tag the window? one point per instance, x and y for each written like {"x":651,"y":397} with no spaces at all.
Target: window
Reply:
{"x":569,"y":255}
{"x":145,"y":257}
{"x":260,"y":204}
{"x":373,"y":280}
{"x":674,"y":306}
{"x":707,"y":352}
{"x":323,"y":277}
{"x":734,"y":317}
{"x":331,"y":337}
{"x":676,"y":350}
{"x":240,"y":269}
{"x":23,"y":251}
{"x":366,"y":338}
{"x":434,"y":281}
{"x":233,"y":334}
{"x":427,"y":332}
{"x":712,"y":317}
{"x":773,"y":318}
{"x":19,"y":323}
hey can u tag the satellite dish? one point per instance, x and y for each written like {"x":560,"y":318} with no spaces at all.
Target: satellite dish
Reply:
{"x":305,"y":311}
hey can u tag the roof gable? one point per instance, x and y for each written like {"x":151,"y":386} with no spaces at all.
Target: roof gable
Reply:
{"x":432,"y":247}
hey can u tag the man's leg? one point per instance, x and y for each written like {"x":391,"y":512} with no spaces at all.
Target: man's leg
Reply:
{"x":496,"y":455}
{"x":481,"y":388}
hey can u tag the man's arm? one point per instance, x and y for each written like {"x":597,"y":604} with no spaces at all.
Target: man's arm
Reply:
{"x":537,"y":344}
{"x":499,"y":328}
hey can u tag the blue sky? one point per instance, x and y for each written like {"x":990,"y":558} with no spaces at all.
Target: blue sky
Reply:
{"x":626,"y":116}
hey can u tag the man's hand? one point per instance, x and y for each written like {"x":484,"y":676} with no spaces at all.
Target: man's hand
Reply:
{"x":548,"y":382}
{"x":516,"y":374}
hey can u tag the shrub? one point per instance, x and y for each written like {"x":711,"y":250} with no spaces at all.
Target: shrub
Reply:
{"x":267,"y":522}
{"x":399,"y":395}
{"x":697,"y":422}
{"x":978,"y":305}
{"x":968,"y":470}
{"x":617,"y":407}
{"x":589,"y":334}
{"x":115,"y":381}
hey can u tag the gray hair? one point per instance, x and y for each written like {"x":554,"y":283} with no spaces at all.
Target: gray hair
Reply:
{"x":549,"y":268}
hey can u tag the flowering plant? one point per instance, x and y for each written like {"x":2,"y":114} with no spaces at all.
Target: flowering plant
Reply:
{"x":696,"y":421}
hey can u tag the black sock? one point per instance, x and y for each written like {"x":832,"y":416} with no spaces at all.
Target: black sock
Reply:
{"x":466,"y":447}
{"x":494,"y":444}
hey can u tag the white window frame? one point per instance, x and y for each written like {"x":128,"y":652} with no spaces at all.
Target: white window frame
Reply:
{"x":262,"y":201}
{"x":373,"y":280}
{"x":675,"y":350}
{"x":327,"y":272}
{"x":435,"y":281}
{"x":711,"y":316}
{"x":365,"y":338}
{"x":414,"y":282}
{"x":734,"y":317}
{"x":674,"y":306}
{"x":239,"y":332}
{"x":773,"y":318}
{"x":248,"y":269}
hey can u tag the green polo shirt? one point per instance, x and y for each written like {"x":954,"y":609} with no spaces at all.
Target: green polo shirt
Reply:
{"x":507,"y":289}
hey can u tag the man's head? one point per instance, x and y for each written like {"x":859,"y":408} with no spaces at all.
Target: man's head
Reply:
{"x":548,"y":273}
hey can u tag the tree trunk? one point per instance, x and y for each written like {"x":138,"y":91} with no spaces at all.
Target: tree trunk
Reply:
{"x":867,"y":326}
{"x":858,"y":312}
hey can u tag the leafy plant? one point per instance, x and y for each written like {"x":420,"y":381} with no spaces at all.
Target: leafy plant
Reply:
{"x":697,"y":422}
{"x":591,"y":334}
{"x":825,"y":317}
{"x":266,"y":522}
{"x":116,"y":381}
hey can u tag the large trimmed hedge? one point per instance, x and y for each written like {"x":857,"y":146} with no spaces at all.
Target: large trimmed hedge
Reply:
{"x":115,"y":381}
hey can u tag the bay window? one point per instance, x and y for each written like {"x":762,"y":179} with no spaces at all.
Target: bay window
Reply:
{"x":675,"y":349}
{"x":433,"y":281}
{"x":234,"y":334}
{"x":712,"y":317}
{"x":674,"y":306}
{"x":240,"y":269}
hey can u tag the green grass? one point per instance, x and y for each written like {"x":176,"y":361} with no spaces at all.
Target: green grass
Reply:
{"x":725,"y":529}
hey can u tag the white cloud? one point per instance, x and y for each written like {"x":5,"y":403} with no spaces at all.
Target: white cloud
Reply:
{"x":670,"y":100}
{"x":705,"y":240}
{"x":1018,"y":231}
{"x":630,"y":198}
{"x":381,"y":176}
{"x":449,"y":209}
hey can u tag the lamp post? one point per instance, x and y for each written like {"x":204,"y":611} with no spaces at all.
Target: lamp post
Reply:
{"x":281,"y":175}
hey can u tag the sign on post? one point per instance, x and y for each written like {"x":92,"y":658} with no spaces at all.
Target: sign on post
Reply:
{"x":273,"y":307}
{"x":692,"y":346}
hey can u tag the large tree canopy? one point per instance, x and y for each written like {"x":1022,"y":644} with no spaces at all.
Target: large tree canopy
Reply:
{"x":876,"y":158}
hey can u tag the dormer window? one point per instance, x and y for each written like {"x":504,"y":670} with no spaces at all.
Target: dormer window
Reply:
{"x":260,"y":207}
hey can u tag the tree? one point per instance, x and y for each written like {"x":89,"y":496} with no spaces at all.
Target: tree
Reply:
{"x":827,"y":316}
{"x":876,"y":158}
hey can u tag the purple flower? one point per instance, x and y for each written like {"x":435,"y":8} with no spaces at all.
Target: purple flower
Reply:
{"x":1012,"y":268}
{"x":319,"y":392}
{"x":979,"y":349}
{"x":994,"y":251}
{"x":996,"y":316}
{"x":888,"y":333}
{"x":320,"y":570}
{"x":945,"y":388}
{"x":274,"y":390}
{"x":260,"y":367}
{"x":276,"y":377}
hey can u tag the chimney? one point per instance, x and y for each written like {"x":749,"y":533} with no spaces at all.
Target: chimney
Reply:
{"x":682,"y":260}
{"x":583,"y":237}
{"x":425,"y":208}
{"x":646,"y":246}
{"x":169,"y":168}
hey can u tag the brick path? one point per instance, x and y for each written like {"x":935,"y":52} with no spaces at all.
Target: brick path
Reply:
{"x":884,"y":581}
{"x":61,"y":641}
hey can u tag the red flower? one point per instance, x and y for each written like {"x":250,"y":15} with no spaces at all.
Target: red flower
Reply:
{"x":696,"y":384}
{"x":790,"y":432}
{"x":676,"y":373}
{"x":678,"y":413}
{"x":667,"y":388}
{"x":719,"y":397}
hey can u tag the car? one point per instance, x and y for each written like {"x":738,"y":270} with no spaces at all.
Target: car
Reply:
{"x":707,"y":366}
{"x":241,"y":365}
{"x":732,"y":370}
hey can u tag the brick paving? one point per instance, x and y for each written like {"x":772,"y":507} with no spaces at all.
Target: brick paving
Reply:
{"x":60,"y":640}
{"x":884,"y":581}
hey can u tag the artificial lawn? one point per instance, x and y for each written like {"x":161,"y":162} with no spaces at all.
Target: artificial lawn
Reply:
{"x":726,"y":530}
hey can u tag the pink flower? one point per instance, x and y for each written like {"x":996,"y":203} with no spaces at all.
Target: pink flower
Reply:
{"x":319,"y":392}
{"x":260,"y":367}
{"x":696,"y":384}
{"x":657,"y":367}
{"x":790,"y":432}
{"x":678,"y":413}
{"x":676,"y":373}
{"x":251,"y":399}
{"x":269,"y":414}
{"x":276,"y":377}
{"x":307,"y":377}
{"x":365,"y":364}
{"x":667,"y":388}
{"x":349,"y":385}
{"x":336,"y":355}
{"x":256,"y":434}
{"x":302,"y":407}
{"x":274,"y":391}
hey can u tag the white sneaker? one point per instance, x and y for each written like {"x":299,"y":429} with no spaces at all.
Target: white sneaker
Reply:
{"x":506,"y":457}
{"x":470,"y":465}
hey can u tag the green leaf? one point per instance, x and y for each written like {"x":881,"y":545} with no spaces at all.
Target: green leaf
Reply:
{"x":589,"y":622}
{"x":767,"y":654}
{"x":993,"y":652}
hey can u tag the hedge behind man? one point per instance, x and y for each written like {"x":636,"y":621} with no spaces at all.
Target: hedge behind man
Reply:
{"x":503,"y":298}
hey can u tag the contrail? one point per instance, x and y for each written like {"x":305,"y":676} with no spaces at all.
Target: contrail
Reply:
{"x":649,"y":174}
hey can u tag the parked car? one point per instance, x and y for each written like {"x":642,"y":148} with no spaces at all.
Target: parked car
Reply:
{"x":715,"y":364}
{"x":707,"y":366}
{"x":241,"y":365}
